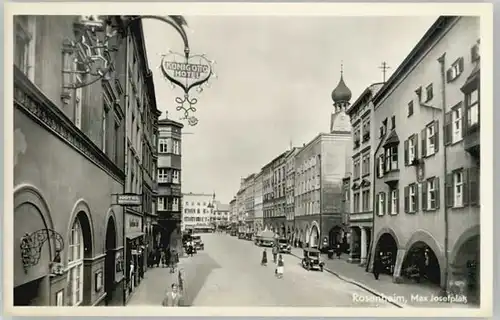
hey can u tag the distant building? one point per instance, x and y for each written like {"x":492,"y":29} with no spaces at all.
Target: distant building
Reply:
{"x":267,"y":195}
{"x":221,"y":215}
{"x":199,"y":209}
{"x":290,"y":193}
{"x":320,"y":167}
{"x":248,"y":196}
{"x":258,"y":202}
{"x":427,"y":205}
{"x":169,"y":194}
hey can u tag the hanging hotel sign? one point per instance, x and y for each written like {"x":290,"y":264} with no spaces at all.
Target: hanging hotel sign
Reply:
{"x":187,"y":72}
{"x":129,"y":199}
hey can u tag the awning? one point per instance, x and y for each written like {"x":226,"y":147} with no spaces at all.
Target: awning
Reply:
{"x":134,"y":235}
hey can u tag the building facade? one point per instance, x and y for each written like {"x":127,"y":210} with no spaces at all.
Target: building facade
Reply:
{"x":267,"y":195}
{"x":258,"y":205}
{"x":141,"y":115}
{"x":169,"y":194}
{"x":361,"y":114}
{"x":57,"y":129}
{"x":427,"y":185}
{"x":320,"y":167}
{"x":221,"y":215}
{"x":249,"y":199}
{"x":289,"y":194}
{"x":198,"y":211}
{"x":278,"y":217}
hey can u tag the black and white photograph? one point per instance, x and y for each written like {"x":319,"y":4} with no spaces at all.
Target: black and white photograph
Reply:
{"x":310,"y":159}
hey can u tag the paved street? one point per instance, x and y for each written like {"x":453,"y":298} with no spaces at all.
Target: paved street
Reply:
{"x":228,"y":273}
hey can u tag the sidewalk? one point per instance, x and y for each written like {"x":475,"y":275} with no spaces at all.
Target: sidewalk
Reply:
{"x":154,"y":286}
{"x":384,"y":287}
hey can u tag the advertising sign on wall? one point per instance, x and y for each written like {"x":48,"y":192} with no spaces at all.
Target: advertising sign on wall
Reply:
{"x":186,"y":73}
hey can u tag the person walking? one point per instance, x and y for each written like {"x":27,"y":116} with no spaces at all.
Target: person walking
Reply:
{"x":173,"y":262}
{"x":180,"y":280}
{"x":275,"y":253}
{"x":377,"y":265}
{"x":281,"y":267}
{"x":339,"y":250}
{"x":173,"y":298}
{"x":263,"y":262}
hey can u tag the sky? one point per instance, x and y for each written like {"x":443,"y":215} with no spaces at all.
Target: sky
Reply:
{"x":273,"y":87}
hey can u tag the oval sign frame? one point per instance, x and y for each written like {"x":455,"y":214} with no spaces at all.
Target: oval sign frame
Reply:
{"x":177,"y":82}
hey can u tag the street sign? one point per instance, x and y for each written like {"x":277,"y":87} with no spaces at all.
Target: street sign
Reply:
{"x":129,"y":199}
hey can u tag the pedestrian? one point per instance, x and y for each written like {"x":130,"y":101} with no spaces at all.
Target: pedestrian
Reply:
{"x":263,"y":262}
{"x":275,"y":253}
{"x":157,"y":257}
{"x":377,"y":265}
{"x":181,"y":280}
{"x":280,"y":268}
{"x":339,"y":250}
{"x":173,"y":261}
{"x":173,"y":298}
{"x":191,"y":248}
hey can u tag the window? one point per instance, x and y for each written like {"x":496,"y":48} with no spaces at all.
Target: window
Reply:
{"x":429,"y":93}
{"x":24,"y":44}
{"x":163,"y":175}
{"x":411,"y":198}
{"x":380,"y":166}
{"x":394,"y":201}
{"x":366,"y":200}
{"x":430,"y":139}
{"x":430,"y":194}
{"x":391,"y":158}
{"x":456,"y":70}
{"x":176,"y":148}
{"x":175,"y":204}
{"x":75,"y":264}
{"x":381,"y":204}
{"x":356,"y":202}
{"x":117,"y":141}
{"x":104,"y":129}
{"x":356,"y":168}
{"x":161,"y":203}
{"x":410,"y":108}
{"x":411,"y":149}
{"x":457,"y":125}
{"x":366,"y":164}
{"x":366,"y":130}
{"x":357,"y":133}
{"x":162,"y":145}
{"x":175,"y":176}
{"x":458,"y":186}
{"x":472,"y":100}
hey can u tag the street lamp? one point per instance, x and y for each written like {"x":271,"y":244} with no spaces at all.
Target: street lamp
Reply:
{"x":92,"y":46}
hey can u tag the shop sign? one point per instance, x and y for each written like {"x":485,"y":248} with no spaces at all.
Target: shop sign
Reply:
{"x":129,"y":199}
{"x":186,"y":73}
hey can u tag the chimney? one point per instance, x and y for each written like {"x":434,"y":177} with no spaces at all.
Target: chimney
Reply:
{"x":303,"y":145}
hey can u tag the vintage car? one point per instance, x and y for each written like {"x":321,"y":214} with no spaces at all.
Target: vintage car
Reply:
{"x":284,"y":246}
{"x":198,"y":244}
{"x":266,"y":238}
{"x":312,"y":259}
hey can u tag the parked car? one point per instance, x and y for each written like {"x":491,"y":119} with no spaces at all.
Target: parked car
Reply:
{"x":311,"y":260}
{"x":198,"y":244}
{"x":284,"y":246}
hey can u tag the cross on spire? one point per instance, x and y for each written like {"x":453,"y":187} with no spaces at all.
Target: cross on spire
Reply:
{"x":341,"y":67}
{"x":384,"y":68}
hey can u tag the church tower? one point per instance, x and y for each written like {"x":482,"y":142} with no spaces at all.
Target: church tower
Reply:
{"x":341,"y":96}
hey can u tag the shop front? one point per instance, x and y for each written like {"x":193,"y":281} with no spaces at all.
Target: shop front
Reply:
{"x":135,"y":250}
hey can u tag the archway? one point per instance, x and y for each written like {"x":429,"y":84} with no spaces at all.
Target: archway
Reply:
{"x":421,"y":262}
{"x":466,"y":259}
{"x":387,"y":249}
{"x":109,"y":266}
{"x":335,"y":236}
{"x":79,"y":248}
{"x":314,"y":236}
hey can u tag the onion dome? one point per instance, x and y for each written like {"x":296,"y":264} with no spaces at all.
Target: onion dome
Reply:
{"x":341,"y":93}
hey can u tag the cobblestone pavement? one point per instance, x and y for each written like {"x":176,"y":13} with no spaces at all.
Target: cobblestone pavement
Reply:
{"x":228,"y":273}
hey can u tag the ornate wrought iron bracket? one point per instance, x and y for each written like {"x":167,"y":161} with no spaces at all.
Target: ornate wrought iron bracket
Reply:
{"x":32,"y":244}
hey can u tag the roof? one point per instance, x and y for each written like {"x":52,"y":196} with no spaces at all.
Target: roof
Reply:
{"x":341,"y":93}
{"x":167,"y":122}
{"x":429,"y":37}
{"x":222,"y":207}
{"x":368,"y":93}
{"x":392,"y":138}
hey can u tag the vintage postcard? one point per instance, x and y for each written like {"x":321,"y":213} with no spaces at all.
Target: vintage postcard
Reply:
{"x":248,"y":159}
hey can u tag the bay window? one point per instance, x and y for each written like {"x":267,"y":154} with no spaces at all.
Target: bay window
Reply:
{"x":163,"y":175}
{"x":391,"y":158}
{"x":175,"y":176}
{"x":472,"y":103}
{"x":162,"y":145}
